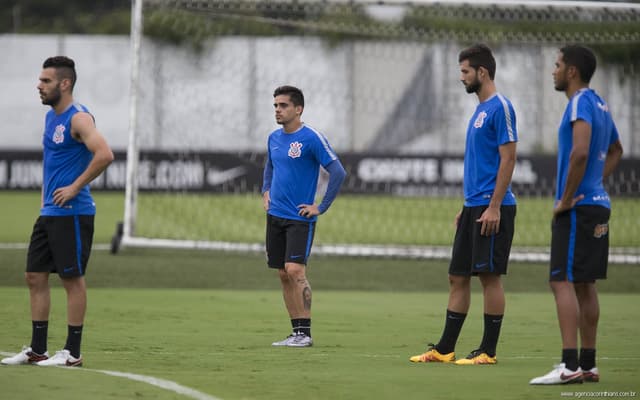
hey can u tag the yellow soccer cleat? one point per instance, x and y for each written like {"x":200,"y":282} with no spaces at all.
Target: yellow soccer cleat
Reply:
{"x":433,"y":355}
{"x":477,"y":357}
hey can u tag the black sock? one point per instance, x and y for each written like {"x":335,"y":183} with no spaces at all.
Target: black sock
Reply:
{"x":39,"y":332}
{"x":587,"y":359}
{"x":570,"y":358}
{"x":302,"y":325}
{"x":492,"y":324}
{"x":452,"y":328}
{"x":74,"y":337}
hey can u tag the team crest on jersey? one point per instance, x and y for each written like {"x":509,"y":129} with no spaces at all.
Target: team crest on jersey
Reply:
{"x":600,"y":230}
{"x":58,"y":134}
{"x":480,"y":120}
{"x":295,"y":149}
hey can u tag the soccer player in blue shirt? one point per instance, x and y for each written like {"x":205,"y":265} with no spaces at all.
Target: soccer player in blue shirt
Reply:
{"x":295,"y":154}
{"x":485,"y":225}
{"x":74,"y":154}
{"x":589,"y":149}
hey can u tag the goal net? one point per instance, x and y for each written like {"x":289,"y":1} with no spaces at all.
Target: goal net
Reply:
{"x":381,"y":81}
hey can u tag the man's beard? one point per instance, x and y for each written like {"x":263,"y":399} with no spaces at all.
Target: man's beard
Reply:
{"x":561,"y":86}
{"x":473,"y":87}
{"x":53,"y":98}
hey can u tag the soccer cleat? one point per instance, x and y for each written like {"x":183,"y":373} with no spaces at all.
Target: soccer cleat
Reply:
{"x":285,"y":341}
{"x":61,"y":358}
{"x":433,"y":355}
{"x":296,"y":339}
{"x":559,"y":375}
{"x":477,"y":357}
{"x":26,"y":356}
{"x":591,"y":375}
{"x":300,"y":340}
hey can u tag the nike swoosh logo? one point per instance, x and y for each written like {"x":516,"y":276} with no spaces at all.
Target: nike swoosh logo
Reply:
{"x":296,"y":256}
{"x":68,"y":269}
{"x":480,"y":265}
{"x":555,"y":272}
{"x":569,"y":377}
{"x":218,"y":177}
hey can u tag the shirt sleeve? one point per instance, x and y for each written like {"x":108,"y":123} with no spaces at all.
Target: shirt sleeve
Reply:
{"x":614,"y":134}
{"x":267,"y":176}
{"x":505,"y":123}
{"x":582,"y":109}
{"x":336,"y":177}
{"x":323,"y":151}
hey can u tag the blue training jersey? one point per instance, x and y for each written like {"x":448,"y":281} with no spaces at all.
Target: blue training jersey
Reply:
{"x":492,"y":125}
{"x":296,"y":159}
{"x":586,"y":105}
{"x":64,"y":159}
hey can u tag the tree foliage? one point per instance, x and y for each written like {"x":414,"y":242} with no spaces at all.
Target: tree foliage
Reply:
{"x":65,"y":16}
{"x":202,"y":20}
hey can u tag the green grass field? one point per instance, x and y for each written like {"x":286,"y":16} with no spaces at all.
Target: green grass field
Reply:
{"x":352,"y":219}
{"x":217,"y":342}
{"x":205,"y":320}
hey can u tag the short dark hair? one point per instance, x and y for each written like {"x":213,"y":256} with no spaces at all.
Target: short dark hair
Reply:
{"x":64,"y":66}
{"x":295,"y":94}
{"x":479,"y":55}
{"x":582,"y":58}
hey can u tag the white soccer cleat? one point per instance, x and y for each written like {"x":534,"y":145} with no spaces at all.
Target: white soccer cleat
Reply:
{"x":285,"y":341}
{"x":300,"y":340}
{"x":61,"y":358}
{"x":560,"y":375}
{"x":26,"y":356}
{"x":295,"y":340}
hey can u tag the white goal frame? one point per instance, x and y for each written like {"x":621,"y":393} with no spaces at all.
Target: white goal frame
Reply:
{"x":124,"y":236}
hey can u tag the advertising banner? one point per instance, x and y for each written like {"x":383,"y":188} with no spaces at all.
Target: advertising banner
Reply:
{"x":428,"y":175}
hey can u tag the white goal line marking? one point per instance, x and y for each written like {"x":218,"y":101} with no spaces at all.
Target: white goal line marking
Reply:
{"x":415,"y":252}
{"x":151,"y":380}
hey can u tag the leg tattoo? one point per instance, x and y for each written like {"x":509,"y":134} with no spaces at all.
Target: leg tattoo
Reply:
{"x":306,"y":297}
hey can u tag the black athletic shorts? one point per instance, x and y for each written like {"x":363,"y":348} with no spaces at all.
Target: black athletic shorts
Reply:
{"x":580,"y":244}
{"x":61,"y":244}
{"x":473,"y":253}
{"x":288,"y":240}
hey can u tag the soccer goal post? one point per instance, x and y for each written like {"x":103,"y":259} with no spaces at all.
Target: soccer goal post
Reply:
{"x":381,"y":82}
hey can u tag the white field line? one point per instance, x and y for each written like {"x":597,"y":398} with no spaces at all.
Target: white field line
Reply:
{"x":151,"y":380}
{"x":539,"y":255}
{"x":23,"y":246}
